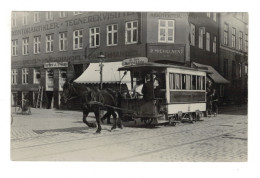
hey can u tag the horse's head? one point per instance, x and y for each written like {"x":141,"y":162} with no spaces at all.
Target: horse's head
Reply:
{"x":67,"y":92}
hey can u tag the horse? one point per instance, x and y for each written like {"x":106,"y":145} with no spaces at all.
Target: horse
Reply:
{"x":88,"y":95}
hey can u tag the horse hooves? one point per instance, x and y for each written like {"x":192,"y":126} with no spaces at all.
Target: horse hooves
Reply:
{"x":98,"y":131}
{"x":113,"y":128}
{"x":120,"y":126}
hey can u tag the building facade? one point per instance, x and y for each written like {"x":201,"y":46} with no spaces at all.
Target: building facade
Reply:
{"x":234,"y":55}
{"x":51,"y":47}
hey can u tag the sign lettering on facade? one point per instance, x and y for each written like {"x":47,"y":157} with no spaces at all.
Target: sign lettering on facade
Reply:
{"x":157,"y":52}
{"x":134,"y":61}
{"x":55,"y":64}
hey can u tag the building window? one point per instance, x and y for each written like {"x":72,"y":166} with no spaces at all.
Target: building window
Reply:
{"x":112,"y":35}
{"x":25,"y":46}
{"x":36,"y":17}
{"x":201,"y":32}
{"x":36,"y":76}
{"x":36,"y":44}
{"x":49,"y":16}
{"x":215,"y":16}
{"x":240,"y":44}
{"x":78,"y":39}
{"x":131,"y":32}
{"x":14,"y":47}
{"x":94,"y":37}
{"x":240,"y":70}
{"x":14,"y":76}
{"x":14,"y":19}
{"x":25,"y":75}
{"x":77,"y":12}
{"x":63,"y":14}
{"x":49,"y":43}
{"x":208,"y":41}
{"x":166,"y":31}
{"x":225,"y":34}
{"x":63,"y":41}
{"x":225,"y":68}
{"x":192,"y":34}
{"x":246,"y":42}
{"x":208,"y":14}
{"x":233,"y":39}
{"x":214,"y":45}
{"x":25,"y":18}
{"x":246,"y":69}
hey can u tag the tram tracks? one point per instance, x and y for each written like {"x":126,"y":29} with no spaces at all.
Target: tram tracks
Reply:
{"x":152,"y":136}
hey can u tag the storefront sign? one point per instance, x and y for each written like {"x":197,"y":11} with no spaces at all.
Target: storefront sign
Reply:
{"x":134,"y":61}
{"x":157,"y":52}
{"x":55,"y":64}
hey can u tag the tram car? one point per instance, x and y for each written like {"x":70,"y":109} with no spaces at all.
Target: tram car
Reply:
{"x":169,"y":93}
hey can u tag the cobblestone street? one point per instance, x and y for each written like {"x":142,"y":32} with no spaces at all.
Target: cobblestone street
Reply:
{"x":56,"y":135}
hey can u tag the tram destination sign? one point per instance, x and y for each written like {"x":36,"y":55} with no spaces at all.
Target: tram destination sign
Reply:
{"x":134,"y":61}
{"x":157,"y":52}
{"x":56,"y":64}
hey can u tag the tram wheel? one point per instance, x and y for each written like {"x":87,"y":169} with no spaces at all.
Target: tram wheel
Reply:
{"x":148,"y":121}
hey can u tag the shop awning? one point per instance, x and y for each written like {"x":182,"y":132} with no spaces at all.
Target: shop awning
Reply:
{"x":213,"y":74}
{"x":110,"y":74}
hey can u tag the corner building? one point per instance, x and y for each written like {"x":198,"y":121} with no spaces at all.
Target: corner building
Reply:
{"x":51,"y":47}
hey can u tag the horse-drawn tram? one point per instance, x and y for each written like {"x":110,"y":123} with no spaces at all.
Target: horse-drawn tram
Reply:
{"x":164,"y":93}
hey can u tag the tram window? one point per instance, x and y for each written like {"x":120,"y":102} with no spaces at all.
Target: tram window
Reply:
{"x":171,"y":81}
{"x":193,"y":82}
{"x":198,"y":82}
{"x":183,"y":81}
{"x":177,"y":81}
{"x":188,"y":82}
{"x":203,"y":83}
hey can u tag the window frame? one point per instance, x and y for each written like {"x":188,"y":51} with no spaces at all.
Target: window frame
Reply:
{"x":79,"y":38}
{"x":49,"y":16}
{"x":193,"y":34}
{"x":35,"y":72}
{"x":233,"y":38}
{"x":215,"y":16}
{"x":131,"y":30}
{"x":15,"y":47}
{"x":36,"y":17}
{"x":25,"y":18}
{"x":201,"y":38}
{"x":112,"y":32}
{"x":63,"y":14}
{"x":63,"y":39}
{"x":208,"y":41}
{"x":214,"y":44}
{"x":14,"y":19}
{"x":240,"y":42}
{"x":25,"y":75}
{"x":166,"y":29}
{"x":208,"y":14}
{"x":94,"y":34}
{"x":225,"y":34}
{"x":25,"y":46}
{"x":49,"y":43}
{"x":246,"y":42}
{"x":37,"y":45}
{"x":14,"y":77}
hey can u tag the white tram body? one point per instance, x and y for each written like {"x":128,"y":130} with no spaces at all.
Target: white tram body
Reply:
{"x":185,"y":90}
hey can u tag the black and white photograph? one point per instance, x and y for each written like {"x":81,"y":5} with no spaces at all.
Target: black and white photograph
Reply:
{"x":115,"y":87}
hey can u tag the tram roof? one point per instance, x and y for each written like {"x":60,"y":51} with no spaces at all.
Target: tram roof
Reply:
{"x":152,"y":65}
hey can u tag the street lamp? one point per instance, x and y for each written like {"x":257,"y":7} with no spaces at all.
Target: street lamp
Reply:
{"x":101,"y":58}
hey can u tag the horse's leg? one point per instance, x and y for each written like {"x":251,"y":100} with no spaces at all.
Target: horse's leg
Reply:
{"x":119,"y":122}
{"x":85,"y":115}
{"x":107,"y":115}
{"x":114,"y":118}
{"x":98,"y":120}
